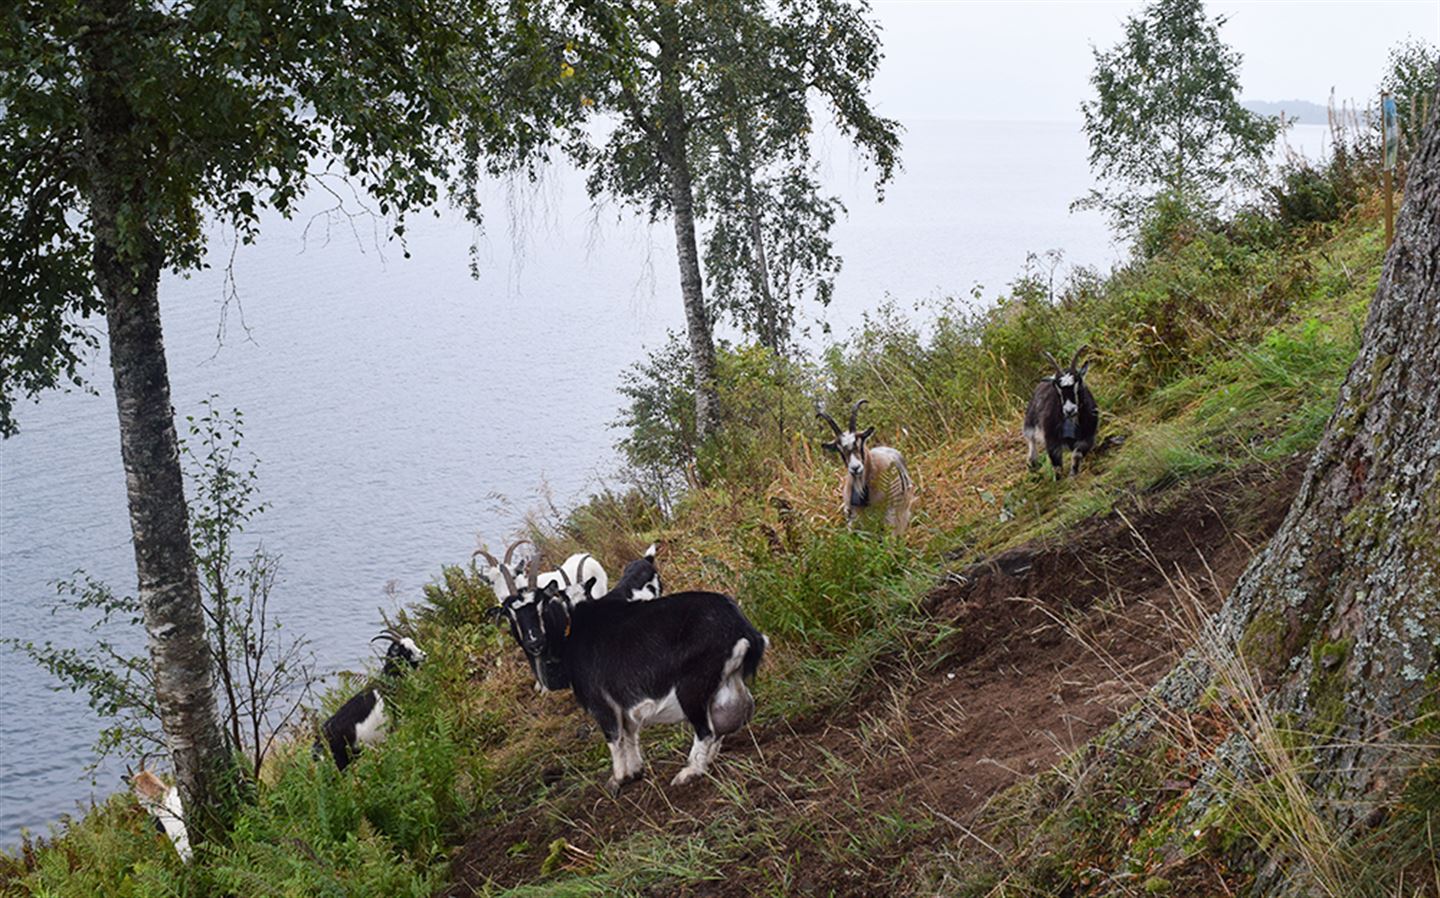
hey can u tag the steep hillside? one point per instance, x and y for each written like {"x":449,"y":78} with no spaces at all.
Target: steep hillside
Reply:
{"x":919,"y":693}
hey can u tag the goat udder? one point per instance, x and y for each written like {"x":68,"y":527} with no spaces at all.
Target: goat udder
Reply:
{"x":731,"y":707}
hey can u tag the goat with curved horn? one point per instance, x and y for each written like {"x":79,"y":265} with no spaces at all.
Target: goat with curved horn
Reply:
{"x":1062,"y":414}
{"x":502,"y":568}
{"x":871,"y":472}
{"x":402,"y":653}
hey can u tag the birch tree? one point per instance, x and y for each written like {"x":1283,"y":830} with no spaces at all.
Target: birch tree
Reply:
{"x":677,"y":91}
{"x":1166,"y":122}
{"x":128,"y":126}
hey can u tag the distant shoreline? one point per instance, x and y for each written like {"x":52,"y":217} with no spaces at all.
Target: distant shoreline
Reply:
{"x":1299,"y":112}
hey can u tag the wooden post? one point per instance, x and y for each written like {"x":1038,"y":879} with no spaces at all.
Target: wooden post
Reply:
{"x":1389,"y":212}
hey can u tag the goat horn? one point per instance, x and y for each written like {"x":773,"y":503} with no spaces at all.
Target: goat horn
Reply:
{"x":384,"y":636}
{"x":566,"y":577}
{"x":828,"y":420}
{"x":855,"y":412}
{"x":1058,"y":369}
{"x":502,"y":568}
{"x":513,"y":546}
{"x":1076,"y":359}
{"x":532,"y":570}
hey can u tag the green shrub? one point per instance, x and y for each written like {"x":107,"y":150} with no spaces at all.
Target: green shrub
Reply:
{"x":834,"y":588}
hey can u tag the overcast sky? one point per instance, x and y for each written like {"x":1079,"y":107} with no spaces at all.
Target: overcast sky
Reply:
{"x":1032,"y":60}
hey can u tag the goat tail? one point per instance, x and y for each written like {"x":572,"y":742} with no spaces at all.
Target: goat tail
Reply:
{"x":747,"y":659}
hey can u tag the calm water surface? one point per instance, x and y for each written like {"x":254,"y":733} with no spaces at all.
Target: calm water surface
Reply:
{"x":402,"y":410}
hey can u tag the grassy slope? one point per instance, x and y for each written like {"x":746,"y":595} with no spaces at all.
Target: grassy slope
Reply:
{"x":1222,"y":355}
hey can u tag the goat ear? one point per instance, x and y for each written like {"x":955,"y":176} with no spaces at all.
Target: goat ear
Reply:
{"x":833,"y":447}
{"x":867,"y":433}
{"x":495,"y":614}
{"x":590,"y":587}
{"x":1083,"y":368}
{"x":550,"y":589}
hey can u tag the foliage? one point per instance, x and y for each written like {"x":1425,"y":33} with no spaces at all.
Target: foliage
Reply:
{"x":1412,"y":77}
{"x":1309,"y":192}
{"x":1242,"y":376}
{"x":233,"y":108}
{"x":265,"y":673}
{"x":828,"y":592}
{"x":659,"y":418}
{"x":683,"y":78}
{"x":768,"y":247}
{"x":707,"y":111}
{"x":1166,"y":121}
{"x":115,"y":680}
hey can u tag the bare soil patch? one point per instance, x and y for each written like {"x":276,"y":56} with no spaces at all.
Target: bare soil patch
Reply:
{"x":1049,"y":641}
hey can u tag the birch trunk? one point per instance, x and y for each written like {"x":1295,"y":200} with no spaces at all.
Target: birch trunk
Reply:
{"x":127,"y":263}
{"x":674,"y":157}
{"x":692,"y":289}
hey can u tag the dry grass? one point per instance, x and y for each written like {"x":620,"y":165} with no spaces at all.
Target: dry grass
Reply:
{"x":1271,"y":804}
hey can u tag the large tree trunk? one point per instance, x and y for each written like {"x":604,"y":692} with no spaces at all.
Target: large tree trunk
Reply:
{"x":1339,"y":616}
{"x":127,"y":263}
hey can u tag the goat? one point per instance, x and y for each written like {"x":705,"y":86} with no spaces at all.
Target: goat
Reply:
{"x":639,"y":582}
{"x":576,"y":569}
{"x":525,"y":624}
{"x":163,"y":804}
{"x":1062,"y":414}
{"x":870,"y":471}
{"x":631,"y":664}
{"x":363,"y":720}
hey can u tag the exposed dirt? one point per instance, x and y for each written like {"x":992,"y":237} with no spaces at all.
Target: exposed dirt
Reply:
{"x":1050,"y":642}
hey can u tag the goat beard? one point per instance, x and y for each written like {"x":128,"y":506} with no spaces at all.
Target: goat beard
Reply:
{"x":859,"y":494}
{"x":550,"y":672}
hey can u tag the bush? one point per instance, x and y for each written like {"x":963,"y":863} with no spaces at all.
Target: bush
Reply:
{"x":832,"y":590}
{"x":1305,"y":195}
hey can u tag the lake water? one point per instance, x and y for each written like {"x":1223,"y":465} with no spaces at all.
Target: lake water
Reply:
{"x":402,"y":410}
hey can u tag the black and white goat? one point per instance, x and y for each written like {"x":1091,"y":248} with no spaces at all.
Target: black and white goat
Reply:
{"x":871,"y":472}
{"x":632,"y":664}
{"x":578,"y":568}
{"x":163,"y":804}
{"x":639,"y":582}
{"x":1062,"y":414}
{"x":362,"y":721}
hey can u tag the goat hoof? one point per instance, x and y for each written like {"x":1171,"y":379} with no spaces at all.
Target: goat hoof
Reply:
{"x":612,"y":787}
{"x":686,"y":777}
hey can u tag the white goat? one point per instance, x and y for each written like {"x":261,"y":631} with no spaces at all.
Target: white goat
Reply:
{"x":578,"y":568}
